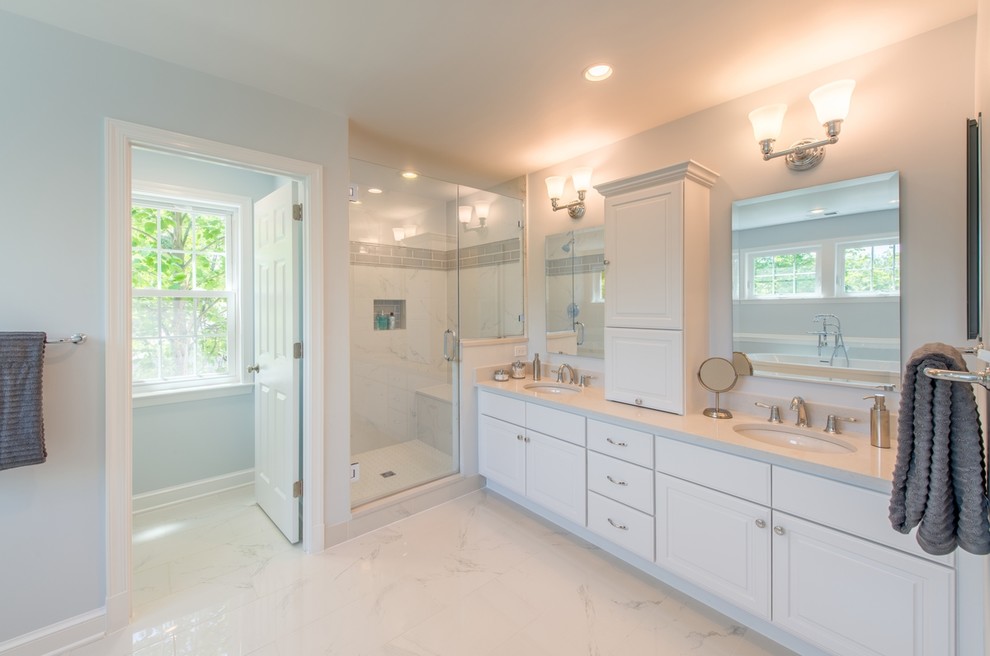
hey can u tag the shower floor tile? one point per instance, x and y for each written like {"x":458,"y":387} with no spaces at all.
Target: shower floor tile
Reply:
{"x":397,"y":467}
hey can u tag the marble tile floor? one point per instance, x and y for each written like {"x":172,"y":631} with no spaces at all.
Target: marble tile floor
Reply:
{"x":474,"y":577}
{"x":412,"y":463}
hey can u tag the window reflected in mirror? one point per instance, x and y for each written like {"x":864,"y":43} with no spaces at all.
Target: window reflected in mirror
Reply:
{"x":816,"y":282}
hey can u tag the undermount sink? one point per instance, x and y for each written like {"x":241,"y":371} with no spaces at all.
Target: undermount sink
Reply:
{"x":552,"y":388}
{"x":794,"y":437}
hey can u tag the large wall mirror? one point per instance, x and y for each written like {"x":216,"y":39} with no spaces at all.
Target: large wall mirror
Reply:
{"x":575,"y":275}
{"x":816,"y":282}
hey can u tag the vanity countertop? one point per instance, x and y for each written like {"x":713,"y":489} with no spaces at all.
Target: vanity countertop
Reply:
{"x":867,"y":467}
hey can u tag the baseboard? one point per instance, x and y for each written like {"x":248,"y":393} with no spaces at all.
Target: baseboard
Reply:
{"x":60,"y":637}
{"x":187,"y":491}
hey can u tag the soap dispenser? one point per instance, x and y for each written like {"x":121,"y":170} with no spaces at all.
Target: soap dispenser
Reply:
{"x":537,"y":367}
{"x":879,"y":421}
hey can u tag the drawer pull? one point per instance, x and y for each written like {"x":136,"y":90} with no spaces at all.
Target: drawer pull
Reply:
{"x":615,"y":482}
{"x":621,"y":527}
{"x":761,"y":524}
{"x":613,"y":442}
{"x":779,"y":530}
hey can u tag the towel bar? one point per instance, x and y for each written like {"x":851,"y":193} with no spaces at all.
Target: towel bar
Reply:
{"x":75,"y":338}
{"x":981,"y":377}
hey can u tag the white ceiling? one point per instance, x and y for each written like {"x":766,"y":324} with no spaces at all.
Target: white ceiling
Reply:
{"x":497,"y":84}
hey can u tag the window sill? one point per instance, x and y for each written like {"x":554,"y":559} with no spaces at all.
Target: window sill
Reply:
{"x":147,"y":399}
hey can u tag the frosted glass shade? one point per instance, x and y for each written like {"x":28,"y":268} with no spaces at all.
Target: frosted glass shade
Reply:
{"x":398,"y":234}
{"x":482,"y":207}
{"x":582,"y":178}
{"x":832,"y":100}
{"x":464,"y":213}
{"x":555,"y":186}
{"x":767,"y":121}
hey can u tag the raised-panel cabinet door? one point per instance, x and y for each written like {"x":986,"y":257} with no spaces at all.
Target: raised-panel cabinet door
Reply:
{"x":555,"y":476}
{"x":717,"y":541}
{"x":644,"y":250}
{"x":502,"y":453}
{"x":856,"y":598}
{"x":645,"y":368}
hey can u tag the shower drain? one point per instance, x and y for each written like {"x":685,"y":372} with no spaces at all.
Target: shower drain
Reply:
{"x":388,"y":473}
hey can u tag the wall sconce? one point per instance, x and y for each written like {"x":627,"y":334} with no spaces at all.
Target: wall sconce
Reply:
{"x":555,"y":189}
{"x":398,"y":234}
{"x":464,"y":213}
{"x":831,"y":105}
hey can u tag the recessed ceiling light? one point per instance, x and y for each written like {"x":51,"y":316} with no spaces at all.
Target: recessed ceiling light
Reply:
{"x":410,"y":175}
{"x":598,"y":72}
{"x":374,"y":190}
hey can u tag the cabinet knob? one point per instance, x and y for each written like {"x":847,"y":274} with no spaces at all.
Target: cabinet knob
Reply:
{"x":614,"y":443}
{"x":519,"y":437}
{"x":639,"y":401}
{"x":621,"y":527}
{"x":615,"y":482}
{"x":606,"y":262}
{"x":779,"y":530}
{"x":761,"y":524}
{"x":525,"y":439}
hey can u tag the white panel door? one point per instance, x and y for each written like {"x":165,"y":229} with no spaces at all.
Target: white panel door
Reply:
{"x":856,"y":598}
{"x":644,"y":241}
{"x":502,"y":453}
{"x":645,"y":368}
{"x":715,"y":540}
{"x":277,"y":377}
{"x":555,"y":476}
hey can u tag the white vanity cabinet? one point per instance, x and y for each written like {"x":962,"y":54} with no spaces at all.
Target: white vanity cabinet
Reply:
{"x":717,"y":540}
{"x":849,"y":595}
{"x":656,"y":308}
{"x":548,"y":469}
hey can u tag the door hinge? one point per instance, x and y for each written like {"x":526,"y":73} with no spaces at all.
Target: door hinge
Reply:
{"x":297,"y":350}
{"x":297,"y":489}
{"x":297,"y":212}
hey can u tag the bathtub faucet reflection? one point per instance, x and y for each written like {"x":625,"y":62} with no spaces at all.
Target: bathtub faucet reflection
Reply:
{"x":831,"y":327}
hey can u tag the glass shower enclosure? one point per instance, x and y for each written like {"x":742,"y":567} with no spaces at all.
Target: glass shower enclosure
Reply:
{"x":431,"y":262}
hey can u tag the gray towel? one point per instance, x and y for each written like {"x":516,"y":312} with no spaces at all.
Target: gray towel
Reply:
{"x":940,"y":478}
{"x":22,"y":430}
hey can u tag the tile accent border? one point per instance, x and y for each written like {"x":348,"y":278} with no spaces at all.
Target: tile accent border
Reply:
{"x":403,"y":257}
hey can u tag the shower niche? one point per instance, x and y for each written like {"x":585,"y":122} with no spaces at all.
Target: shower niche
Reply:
{"x":389,"y":314}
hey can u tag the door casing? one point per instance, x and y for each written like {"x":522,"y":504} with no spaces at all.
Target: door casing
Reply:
{"x":121,"y":137}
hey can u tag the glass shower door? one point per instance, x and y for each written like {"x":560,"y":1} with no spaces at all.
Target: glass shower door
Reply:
{"x":404,"y":373}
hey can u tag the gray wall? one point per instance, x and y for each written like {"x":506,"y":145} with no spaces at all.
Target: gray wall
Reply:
{"x":925,"y":81}
{"x":180,"y":443}
{"x":59,"y":88}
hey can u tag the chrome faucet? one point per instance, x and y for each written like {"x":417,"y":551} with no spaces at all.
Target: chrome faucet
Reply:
{"x":830,"y":326}
{"x":797,"y":403}
{"x":571,"y":374}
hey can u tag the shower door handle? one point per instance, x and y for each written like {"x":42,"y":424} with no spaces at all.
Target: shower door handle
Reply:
{"x":448,"y":339}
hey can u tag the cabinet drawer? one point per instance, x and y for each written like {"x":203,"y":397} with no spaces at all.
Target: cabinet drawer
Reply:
{"x":502,"y":407}
{"x":738,"y":476}
{"x":621,"y":481}
{"x":848,"y":508}
{"x":625,"y":443}
{"x":556,"y":423}
{"x":628,"y":528}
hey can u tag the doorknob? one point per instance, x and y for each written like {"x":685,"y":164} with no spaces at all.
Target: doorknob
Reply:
{"x":254,"y":368}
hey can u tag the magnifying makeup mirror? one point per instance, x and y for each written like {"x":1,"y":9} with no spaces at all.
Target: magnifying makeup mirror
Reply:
{"x":717,"y":375}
